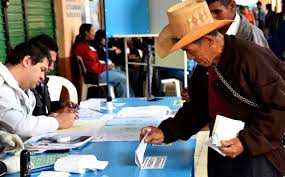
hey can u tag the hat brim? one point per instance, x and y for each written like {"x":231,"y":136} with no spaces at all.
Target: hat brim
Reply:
{"x":166,"y":42}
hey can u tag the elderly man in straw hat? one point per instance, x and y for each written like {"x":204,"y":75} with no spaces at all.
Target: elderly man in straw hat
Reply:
{"x":243,"y":81}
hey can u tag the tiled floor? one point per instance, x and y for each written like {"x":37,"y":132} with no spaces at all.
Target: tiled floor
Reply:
{"x":200,"y":156}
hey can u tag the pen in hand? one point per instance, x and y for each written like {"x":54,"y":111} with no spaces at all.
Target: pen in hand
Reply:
{"x":75,"y":107}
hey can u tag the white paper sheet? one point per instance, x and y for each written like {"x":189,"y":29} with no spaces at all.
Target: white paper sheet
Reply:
{"x":224,"y":129}
{"x":139,"y":154}
{"x":142,"y":115}
{"x":79,"y":163}
{"x":89,"y":114}
{"x":118,"y":133}
{"x":143,"y":111}
{"x":83,"y":128}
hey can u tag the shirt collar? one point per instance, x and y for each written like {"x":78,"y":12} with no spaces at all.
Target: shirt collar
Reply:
{"x":233,"y":29}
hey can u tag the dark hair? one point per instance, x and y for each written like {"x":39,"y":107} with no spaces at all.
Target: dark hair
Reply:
{"x":36,"y":51}
{"x":100,"y":34}
{"x":46,"y":41}
{"x":224,"y":2}
{"x":258,"y":3}
{"x":85,"y":27}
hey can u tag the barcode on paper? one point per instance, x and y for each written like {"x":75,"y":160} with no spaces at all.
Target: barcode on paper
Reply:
{"x":154,"y":162}
{"x":162,"y":144}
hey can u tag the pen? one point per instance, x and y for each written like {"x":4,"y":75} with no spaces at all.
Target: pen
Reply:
{"x":74,"y":107}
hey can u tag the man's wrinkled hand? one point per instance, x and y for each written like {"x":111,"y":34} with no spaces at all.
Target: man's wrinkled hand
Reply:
{"x":155,"y":135}
{"x":232,"y":147}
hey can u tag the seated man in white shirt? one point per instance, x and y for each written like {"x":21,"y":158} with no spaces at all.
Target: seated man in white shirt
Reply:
{"x":24,"y":70}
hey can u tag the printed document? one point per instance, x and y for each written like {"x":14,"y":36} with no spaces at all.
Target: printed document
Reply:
{"x":149,"y":162}
{"x":142,"y":115}
{"x":118,"y":133}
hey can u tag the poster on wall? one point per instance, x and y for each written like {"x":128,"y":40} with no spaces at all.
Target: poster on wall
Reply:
{"x":91,"y":12}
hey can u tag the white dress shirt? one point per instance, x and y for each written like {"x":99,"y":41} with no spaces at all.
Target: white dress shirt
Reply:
{"x":233,"y":29}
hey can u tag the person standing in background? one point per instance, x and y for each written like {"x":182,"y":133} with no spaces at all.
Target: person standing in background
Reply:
{"x":260,"y":16}
{"x":269,"y":19}
{"x":240,"y":27}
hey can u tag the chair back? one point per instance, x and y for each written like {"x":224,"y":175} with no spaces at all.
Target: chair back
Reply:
{"x":89,"y":80}
{"x":55,"y":85}
{"x":81,"y":66}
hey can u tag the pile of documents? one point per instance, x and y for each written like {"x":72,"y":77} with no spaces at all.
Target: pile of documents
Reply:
{"x":149,"y":115}
{"x":53,"y":142}
{"x":224,"y":129}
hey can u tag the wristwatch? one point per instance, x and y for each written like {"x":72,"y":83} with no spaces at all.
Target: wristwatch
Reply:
{"x":3,"y":168}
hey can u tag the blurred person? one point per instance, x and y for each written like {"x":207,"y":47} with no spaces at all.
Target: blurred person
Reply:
{"x":44,"y":106}
{"x":269,"y":19}
{"x":276,"y":42}
{"x":236,"y":79}
{"x":260,"y":16}
{"x":279,"y":17}
{"x":118,"y":59}
{"x":83,"y":47}
{"x":100,"y":46}
{"x":25,"y":69}
{"x":240,"y":27}
{"x":248,"y":14}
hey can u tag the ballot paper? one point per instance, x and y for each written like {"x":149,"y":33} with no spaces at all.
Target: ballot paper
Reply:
{"x":146,"y":115}
{"x":224,"y":129}
{"x":118,"y":133}
{"x":92,"y":103}
{"x":79,"y":163}
{"x":149,"y":162}
{"x":89,"y":113}
{"x":143,"y":111}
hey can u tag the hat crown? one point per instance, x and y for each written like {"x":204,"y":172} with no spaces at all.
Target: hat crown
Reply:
{"x":188,"y":16}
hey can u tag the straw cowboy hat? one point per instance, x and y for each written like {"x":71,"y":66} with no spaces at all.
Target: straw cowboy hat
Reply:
{"x":188,"y":21}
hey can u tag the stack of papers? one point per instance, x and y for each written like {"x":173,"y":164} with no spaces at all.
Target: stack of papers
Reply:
{"x":51,"y":142}
{"x":147,"y":115}
{"x":224,"y":129}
